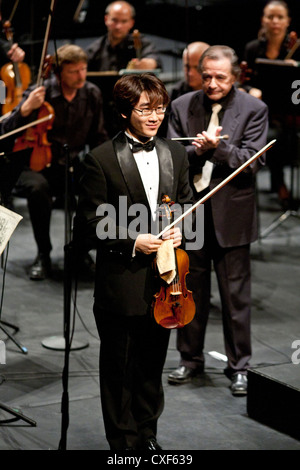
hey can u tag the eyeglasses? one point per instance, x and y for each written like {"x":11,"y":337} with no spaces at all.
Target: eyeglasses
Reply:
{"x":148,"y":112}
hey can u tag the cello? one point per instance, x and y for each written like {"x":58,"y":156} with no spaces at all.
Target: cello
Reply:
{"x":174,"y":305}
{"x":16,"y":77}
{"x":36,"y":137}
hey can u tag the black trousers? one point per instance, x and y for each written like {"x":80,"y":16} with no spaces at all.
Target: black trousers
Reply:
{"x":232,"y":269}
{"x":39,"y":188}
{"x":132,"y":356}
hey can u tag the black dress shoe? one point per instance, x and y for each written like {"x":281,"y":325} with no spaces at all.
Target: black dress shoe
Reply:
{"x":41,"y":268}
{"x":151,"y":445}
{"x":239,"y":385}
{"x":183,"y":374}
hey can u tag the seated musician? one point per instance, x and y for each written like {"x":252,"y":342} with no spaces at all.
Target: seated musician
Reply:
{"x":273,"y":43}
{"x":78,"y":122}
{"x":116,"y":49}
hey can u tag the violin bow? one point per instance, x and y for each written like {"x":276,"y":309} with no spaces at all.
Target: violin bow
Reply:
{"x":13,"y":11}
{"x":219,"y":186}
{"x":26,"y":126}
{"x":45,"y":45}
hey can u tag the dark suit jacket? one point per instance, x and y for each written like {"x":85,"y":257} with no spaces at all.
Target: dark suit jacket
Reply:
{"x":245,"y":120}
{"x":125,"y":284}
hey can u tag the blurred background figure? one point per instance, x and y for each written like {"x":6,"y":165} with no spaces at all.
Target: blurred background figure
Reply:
{"x":118,"y":47}
{"x":192,"y":78}
{"x":274,"y":42}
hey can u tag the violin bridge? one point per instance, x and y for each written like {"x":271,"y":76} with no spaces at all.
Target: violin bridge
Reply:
{"x":176,"y":289}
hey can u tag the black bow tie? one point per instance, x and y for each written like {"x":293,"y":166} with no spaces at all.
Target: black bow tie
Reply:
{"x":137,"y":146}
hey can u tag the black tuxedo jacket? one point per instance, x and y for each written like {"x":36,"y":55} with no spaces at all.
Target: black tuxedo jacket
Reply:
{"x":125,"y":283}
{"x":245,"y":120}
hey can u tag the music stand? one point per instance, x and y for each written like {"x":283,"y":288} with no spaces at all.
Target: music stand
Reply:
{"x":278,"y":96}
{"x":11,"y":166}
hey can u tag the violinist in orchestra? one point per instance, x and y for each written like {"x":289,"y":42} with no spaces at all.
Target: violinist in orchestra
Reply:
{"x":120,"y":48}
{"x":13,"y":53}
{"x":274,"y":43}
{"x":129,"y":173}
{"x":78,"y":123}
{"x":230,"y":219}
{"x":117,"y":49}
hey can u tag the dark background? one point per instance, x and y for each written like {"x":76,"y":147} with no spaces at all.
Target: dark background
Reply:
{"x":230,"y":22}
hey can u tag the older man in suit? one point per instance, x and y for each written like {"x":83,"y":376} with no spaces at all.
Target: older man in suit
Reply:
{"x":230,"y":215}
{"x":121,"y":177}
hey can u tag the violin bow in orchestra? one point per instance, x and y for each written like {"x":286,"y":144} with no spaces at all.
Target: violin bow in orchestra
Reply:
{"x":49,"y":117}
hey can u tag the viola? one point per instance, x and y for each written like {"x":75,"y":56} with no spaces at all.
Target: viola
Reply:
{"x":36,"y":137}
{"x":174,"y":305}
{"x":16,"y":77}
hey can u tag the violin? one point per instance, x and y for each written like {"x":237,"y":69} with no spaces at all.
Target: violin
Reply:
{"x":174,"y":306}
{"x":137,"y":46}
{"x":36,"y":137}
{"x":16,"y":77}
{"x":293,"y":44}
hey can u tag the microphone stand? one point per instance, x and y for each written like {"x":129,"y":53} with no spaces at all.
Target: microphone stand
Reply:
{"x":65,"y":343}
{"x":67,"y":306}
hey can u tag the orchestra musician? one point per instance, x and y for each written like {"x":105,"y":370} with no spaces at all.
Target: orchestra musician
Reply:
{"x":192,"y":80}
{"x":192,"y":77}
{"x":133,"y":346}
{"x":273,"y":43}
{"x":78,"y":122}
{"x":230,"y":215}
{"x":116,"y":49}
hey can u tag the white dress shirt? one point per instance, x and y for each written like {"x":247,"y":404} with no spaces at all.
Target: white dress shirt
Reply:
{"x":148,"y":166}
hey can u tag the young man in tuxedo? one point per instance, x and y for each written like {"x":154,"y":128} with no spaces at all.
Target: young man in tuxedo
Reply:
{"x":119,"y":175}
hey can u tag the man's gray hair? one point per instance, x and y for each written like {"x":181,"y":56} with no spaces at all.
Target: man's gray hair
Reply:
{"x":221,"y":52}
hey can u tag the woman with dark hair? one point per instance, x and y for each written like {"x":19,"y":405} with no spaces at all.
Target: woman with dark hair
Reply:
{"x":274,"y":44}
{"x":135,"y":168}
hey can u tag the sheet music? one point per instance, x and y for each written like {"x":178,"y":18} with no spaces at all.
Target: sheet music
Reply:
{"x":8,"y":223}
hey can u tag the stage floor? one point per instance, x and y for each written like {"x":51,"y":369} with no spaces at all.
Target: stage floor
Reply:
{"x":202,"y":415}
